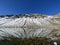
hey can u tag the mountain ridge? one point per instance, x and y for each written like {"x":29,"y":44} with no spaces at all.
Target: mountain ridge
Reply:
{"x":28,"y":20}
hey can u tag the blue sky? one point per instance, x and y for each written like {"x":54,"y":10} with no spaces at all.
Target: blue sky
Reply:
{"x":48,"y":7}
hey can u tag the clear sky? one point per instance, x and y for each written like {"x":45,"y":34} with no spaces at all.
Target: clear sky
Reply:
{"x":48,"y":7}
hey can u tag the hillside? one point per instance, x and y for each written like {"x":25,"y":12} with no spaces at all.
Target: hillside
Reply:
{"x":57,"y":15}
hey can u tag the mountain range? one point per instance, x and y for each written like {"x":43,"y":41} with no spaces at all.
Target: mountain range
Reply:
{"x":30,"y":25}
{"x":30,"y":21}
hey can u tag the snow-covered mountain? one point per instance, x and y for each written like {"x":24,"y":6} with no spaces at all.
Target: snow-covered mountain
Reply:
{"x":50,"y":26}
{"x":26,"y":20}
